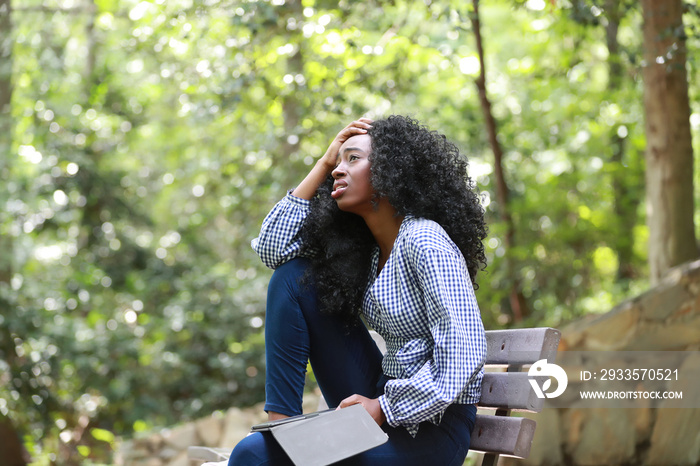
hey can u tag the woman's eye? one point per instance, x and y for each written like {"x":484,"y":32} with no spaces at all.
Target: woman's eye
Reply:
{"x":353,"y":157}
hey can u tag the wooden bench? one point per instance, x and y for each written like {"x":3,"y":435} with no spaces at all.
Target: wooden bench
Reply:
{"x":505,"y":392}
{"x":499,"y":434}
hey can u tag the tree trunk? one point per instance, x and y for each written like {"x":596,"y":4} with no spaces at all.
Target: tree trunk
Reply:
{"x":626,"y":200}
{"x":88,"y":178}
{"x":6,"y":41}
{"x":291,"y":108}
{"x":517,"y":300}
{"x":12,"y":451}
{"x":669,"y":153}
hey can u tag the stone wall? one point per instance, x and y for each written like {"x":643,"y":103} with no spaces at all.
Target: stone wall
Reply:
{"x":666,"y":318}
{"x":168,"y":447}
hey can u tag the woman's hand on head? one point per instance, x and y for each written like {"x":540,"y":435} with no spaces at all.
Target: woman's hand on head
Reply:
{"x":371,"y":405}
{"x":325,"y":165}
{"x":353,"y":129}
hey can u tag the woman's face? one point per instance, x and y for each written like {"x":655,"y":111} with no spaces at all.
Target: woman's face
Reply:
{"x":352,"y":190}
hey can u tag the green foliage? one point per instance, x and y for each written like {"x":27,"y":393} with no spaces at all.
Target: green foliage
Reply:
{"x":150,"y":138}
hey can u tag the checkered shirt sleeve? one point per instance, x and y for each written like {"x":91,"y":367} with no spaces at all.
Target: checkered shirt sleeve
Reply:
{"x":279,"y":239}
{"x":454,"y":372}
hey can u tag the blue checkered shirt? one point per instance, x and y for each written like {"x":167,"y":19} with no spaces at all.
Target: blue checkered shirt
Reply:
{"x":422,"y":303}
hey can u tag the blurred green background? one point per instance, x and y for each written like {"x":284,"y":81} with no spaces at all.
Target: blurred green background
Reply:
{"x":144,"y":141}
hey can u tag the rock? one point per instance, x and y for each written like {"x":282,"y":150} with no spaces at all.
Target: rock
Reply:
{"x":154,"y":442}
{"x":675,"y":335}
{"x":136,"y":452}
{"x":145,"y":462}
{"x":661,"y":304}
{"x":181,"y":437}
{"x":546,"y":445}
{"x":145,"y":445}
{"x":311,"y":402}
{"x":642,"y":420}
{"x":676,"y":437}
{"x":180,"y":460}
{"x":602,"y":436}
{"x":236,"y":426}
{"x":573,"y":421}
{"x":210,"y":429}
{"x":613,"y":331}
{"x":168,"y":453}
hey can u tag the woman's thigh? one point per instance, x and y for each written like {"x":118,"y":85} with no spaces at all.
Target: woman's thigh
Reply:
{"x":446,"y":444}
{"x":345,"y":360}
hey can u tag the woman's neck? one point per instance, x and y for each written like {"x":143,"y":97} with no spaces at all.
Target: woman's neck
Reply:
{"x":384,"y":225}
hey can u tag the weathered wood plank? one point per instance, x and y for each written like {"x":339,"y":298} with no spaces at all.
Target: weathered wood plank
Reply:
{"x":511,"y":436}
{"x":509,"y":390}
{"x":521,"y":346}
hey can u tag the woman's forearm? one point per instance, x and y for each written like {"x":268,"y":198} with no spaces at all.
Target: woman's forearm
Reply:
{"x":307,"y":188}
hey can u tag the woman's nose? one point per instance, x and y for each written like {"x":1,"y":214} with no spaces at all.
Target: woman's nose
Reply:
{"x":339,"y":171}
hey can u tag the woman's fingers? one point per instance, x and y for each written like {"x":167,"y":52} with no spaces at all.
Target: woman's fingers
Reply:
{"x":351,"y":400}
{"x":362,"y":123}
{"x":371,"y":405}
{"x":355,"y":128}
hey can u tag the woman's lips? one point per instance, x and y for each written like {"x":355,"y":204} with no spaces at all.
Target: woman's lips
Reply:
{"x":338,"y":189}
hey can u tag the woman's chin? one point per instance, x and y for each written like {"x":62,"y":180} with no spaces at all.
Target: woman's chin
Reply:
{"x":344,"y":205}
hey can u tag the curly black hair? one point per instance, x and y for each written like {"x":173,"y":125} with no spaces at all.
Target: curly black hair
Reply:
{"x":420,"y":173}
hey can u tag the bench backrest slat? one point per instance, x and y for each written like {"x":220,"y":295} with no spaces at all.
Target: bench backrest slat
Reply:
{"x":520,"y":347}
{"x":509,"y":390}
{"x":503,"y":435}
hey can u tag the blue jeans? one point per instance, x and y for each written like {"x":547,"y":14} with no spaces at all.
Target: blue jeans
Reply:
{"x":345,"y":361}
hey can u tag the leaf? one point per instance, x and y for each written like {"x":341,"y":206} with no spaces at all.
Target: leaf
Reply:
{"x":102,"y":435}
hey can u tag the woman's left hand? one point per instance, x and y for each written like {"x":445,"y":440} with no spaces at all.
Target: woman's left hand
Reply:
{"x":370,"y":404}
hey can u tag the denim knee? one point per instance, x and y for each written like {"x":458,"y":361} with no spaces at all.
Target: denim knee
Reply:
{"x":259,"y":449}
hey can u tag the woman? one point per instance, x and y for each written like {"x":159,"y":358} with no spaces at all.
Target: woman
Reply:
{"x":385,"y":226}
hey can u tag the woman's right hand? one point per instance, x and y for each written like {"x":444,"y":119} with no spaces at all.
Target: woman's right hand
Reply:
{"x":353,"y":129}
{"x":325,"y":165}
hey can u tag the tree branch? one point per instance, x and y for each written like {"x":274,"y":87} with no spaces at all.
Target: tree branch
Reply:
{"x":517,"y":300}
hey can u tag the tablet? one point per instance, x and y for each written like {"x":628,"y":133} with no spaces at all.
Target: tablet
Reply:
{"x":324,"y":437}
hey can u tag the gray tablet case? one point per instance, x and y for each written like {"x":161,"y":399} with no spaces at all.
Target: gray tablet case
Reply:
{"x":322,"y":438}
{"x":268,"y":425}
